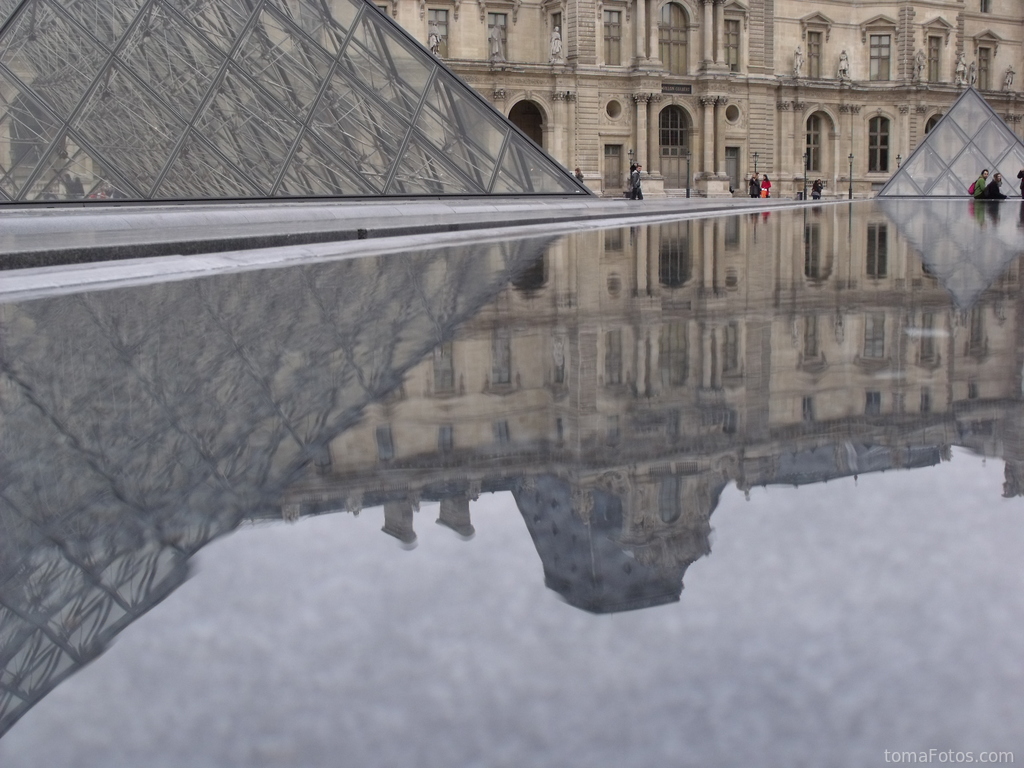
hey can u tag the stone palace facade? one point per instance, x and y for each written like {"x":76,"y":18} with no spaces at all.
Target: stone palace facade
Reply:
{"x":709,"y":90}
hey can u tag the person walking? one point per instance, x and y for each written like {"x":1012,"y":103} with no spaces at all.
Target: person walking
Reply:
{"x":766,"y":186}
{"x":816,"y":188}
{"x":992,"y":191}
{"x":634,"y":183}
{"x":980,"y":184}
{"x":755,"y":185}
{"x":1020,"y":175}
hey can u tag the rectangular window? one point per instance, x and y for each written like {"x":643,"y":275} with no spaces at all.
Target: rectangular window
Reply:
{"x":814,"y":143}
{"x":807,"y":409}
{"x":985,"y":6}
{"x":501,"y":434}
{"x":880,"y":48}
{"x":878,"y":145}
{"x":976,"y":337}
{"x":811,"y":336}
{"x":813,"y":268}
{"x":438,"y":20}
{"x":613,"y":38}
{"x":385,"y":445}
{"x":874,"y":335}
{"x":613,"y":357}
{"x":732,"y":44}
{"x":934,"y":58}
{"x":872,"y":403}
{"x":731,"y":348}
{"x":501,"y":358}
{"x":926,"y":400}
{"x":499,"y":21}
{"x":814,"y":54}
{"x":984,"y":69}
{"x":445,"y":438}
{"x":928,"y":337}
{"x":673,"y":354}
{"x":444,"y":369}
{"x":878,"y":250}
{"x":613,"y":240}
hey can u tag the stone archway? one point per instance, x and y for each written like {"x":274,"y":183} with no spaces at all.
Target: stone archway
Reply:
{"x":674,"y":131}
{"x":528,"y":117}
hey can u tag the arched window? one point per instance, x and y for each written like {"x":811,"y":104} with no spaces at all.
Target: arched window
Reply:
{"x":878,"y":145}
{"x":674,"y":254}
{"x":931,"y":123}
{"x":672,"y":33}
{"x":674,"y":145}
{"x":814,"y":143}
{"x":527,"y":116}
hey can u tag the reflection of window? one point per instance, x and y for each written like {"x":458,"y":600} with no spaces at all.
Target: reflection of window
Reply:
{"x":385,"y":446}
{"x":976,"y":338}
{"x":532,"y":278}
{"x":672,"y":38}
{"x":501,"y":435}
{"x":926,"y":400}
{"x":872,"y":403}
{"x":613,"y":240}
{"x":880,"y":57}
{"x":878,"y":250}
{"x":674,"y":254}
{"x":613,"y":357}
{"x":972,"y":390}
{"x":445,"y":438}
{"x":670,"y":505}
{"x":730,"y":348}
{"x":814,"y":54}
{"x":732,"y":232}
{"x":501,"y":358}
{"x":811,"y":336}
{"x":934,"y":57}
{"x":444,"y":368}
{"x":439,"y":19}
{"x":807,"y":409}
{"x":613,"y":38}
{"x":673,"y":354}
{"x":984,"y":68}
{"x":814,"y":143}
{"x":928,"y":337}
{"x":878,"y":144}
{"x":874,"y":335}
{"x":732,"y":44}
{"x":813,"y":267}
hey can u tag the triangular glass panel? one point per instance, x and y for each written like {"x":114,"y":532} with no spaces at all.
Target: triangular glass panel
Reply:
{"x":314,"y":170}
{"x":946,"y":139}
{"x":1011,"y":165}
{"x":106,"y":21}
{"x":904,"y":187}
{"x":993,"y":140}
{"x":924,"y":168}
{"x":949,"y":185}
{"x":74,"y":174}
{"x":970,"y":112}
{"x":167,"y":99}
{"x":197,"y":166}
{"x":969,"y":165}
{"x":172,"y":59}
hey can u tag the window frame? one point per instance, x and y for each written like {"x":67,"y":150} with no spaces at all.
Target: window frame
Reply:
{"x":815,"y":48}
{"x":878,"y":144}
{"x":732,"y":44}
{"x":934,"y":46}
{"x":674,"y":40}
{"x":612,"y":42}
{"x":984,"y":68}
{"x":880,"y":62}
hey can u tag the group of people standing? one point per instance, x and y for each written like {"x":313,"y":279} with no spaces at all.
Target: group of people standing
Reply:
{"x":985,"y":188}
{"x":760,"y":185}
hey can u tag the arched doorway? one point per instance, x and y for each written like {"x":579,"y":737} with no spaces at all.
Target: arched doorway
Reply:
{"x":674,"y":143}
{"x":819,"y":143}
{"x":526,"y":115}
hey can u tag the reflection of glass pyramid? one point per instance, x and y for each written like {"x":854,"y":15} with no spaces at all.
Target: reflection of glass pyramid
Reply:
{"x":968,"y":138}
{"x":966,"y":244}
{"x":168,"y":99}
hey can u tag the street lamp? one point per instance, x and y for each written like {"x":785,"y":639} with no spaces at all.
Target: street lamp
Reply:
{"x":851,"y":175}
{"x":805,"y":176}
{"x":899,"y":161}
{"x":631,"y":157}
{"x":755,"y":162}
{"x":688,"y":173}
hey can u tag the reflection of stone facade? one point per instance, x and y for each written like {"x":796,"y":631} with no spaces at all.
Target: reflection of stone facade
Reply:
{"x":717,"y":77}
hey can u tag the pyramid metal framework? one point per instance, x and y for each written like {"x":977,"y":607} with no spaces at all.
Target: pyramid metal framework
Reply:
{"x":968,"y":138}
{"x":229,"y":99}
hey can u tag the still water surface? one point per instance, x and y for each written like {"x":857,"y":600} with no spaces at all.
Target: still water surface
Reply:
{"x":811,"y":418}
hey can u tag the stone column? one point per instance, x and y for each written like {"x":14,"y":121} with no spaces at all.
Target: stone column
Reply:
{"x":398,"y":521}
{"x":720,"y":103}
{"x":904,"y":134}
{"x":653,"y":143}
{"x":653,"y":41}
{"x":785,"y":149}
{"x":455,"y":515}
{"x":640,"y":20}
{"x":709,"y":31}
{"x":799,"y":140}
{"x":719,"y":42}
{"x":708,"y":159}
{"x":562,"y":130}
{"x":640,"y":109}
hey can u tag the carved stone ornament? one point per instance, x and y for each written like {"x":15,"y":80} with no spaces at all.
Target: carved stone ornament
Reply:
{"x":641,"y":98}
{"x":499,"y":94}
{"x":782,"y":106}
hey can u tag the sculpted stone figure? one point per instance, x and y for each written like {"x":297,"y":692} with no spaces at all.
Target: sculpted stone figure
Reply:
{"x":1008,"y":79}
{"x":494,"y":43}
{"x":434,"y":40}
{"x":972,"y":73}
{"x":919,"y":65}
{"x":798,"y":61}
{"x":960,"y":71}
{"x":844,"y":66}
{"x":556,"y":46}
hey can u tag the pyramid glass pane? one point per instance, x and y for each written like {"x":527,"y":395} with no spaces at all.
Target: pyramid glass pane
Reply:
{"x":207,"y":99}
{"x":969,"y":138}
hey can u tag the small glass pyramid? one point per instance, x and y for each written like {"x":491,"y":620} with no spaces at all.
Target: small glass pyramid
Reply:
{"x":968,"y":138}
{"x":229,"y":99}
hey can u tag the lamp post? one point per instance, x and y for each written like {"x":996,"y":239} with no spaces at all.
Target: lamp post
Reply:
{"x":899,"y":161}
{"x":631,"y":157}
{"x":755,"y":162}
{"x":688,"y":174}
{"x":851,"y":175}
{"x":805,"y":177}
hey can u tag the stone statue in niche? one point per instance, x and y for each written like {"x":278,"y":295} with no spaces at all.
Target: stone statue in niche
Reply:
{"x":1008,"y":79}
{"x":844,"y":66}
{"x":919,"y":65}
{"x":960,"y":71}
{"x":972,"y":74}
{"x":798,"y":61}
{"x":494,"y":43}
{"x":556,"y":46}
{"x":434,"y":40}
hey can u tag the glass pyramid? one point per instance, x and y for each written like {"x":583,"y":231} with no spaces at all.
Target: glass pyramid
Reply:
{"x":222,"y":99}
{"x":968,"y":138}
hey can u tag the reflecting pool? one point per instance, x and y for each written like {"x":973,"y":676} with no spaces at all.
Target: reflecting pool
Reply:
{"x":811,"y":417}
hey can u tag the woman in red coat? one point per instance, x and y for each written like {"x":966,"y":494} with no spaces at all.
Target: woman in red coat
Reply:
{"x":766,"y":187}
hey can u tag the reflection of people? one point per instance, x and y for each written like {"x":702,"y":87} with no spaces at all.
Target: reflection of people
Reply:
{"x":556,"y":45}
{"x":960,"y":71}
{"x":434,"y":40}
{"x":844,"y":66}
{"x":798,"y":61}
{"x":494,"y":40}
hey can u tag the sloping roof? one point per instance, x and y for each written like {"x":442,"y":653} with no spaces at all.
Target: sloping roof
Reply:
{"x":967,"y":139}
{"x":229,"y":99}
